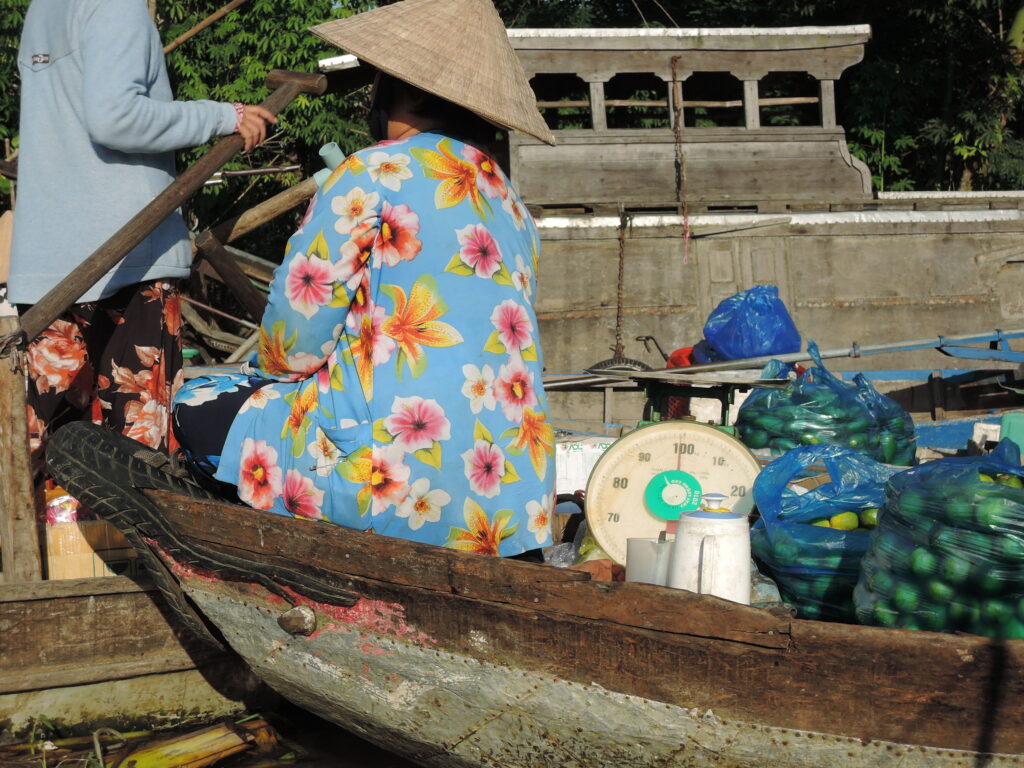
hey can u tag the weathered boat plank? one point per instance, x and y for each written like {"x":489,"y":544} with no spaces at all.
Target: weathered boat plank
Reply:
{"x":105,"y":651}
{"x":543,"y":588}
{"x":667,"y":646}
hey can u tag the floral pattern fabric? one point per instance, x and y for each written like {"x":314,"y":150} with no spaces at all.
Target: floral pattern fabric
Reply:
{"x":115,"y":362}
{"x":402,"y":341}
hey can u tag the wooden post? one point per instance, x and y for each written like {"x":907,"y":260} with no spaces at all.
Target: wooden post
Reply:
{"x":751,"y":107}
{"x":19,"y":532}
{"x":598,"y":111}
{"x":828,"y":103}
{"x":287,"y":86}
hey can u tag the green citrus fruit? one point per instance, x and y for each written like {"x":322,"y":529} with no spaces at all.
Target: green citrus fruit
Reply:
{"x":905,"y":598}
{"x":939,"y":591}
{"x":869,"y":517}
{"x":955,"y":570}
{"x":923,"y":562}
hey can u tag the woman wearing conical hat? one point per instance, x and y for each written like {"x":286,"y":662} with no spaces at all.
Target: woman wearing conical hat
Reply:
{"x":397,"y":385}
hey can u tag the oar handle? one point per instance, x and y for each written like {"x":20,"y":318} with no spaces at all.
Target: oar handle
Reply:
{"x":286,"y":85}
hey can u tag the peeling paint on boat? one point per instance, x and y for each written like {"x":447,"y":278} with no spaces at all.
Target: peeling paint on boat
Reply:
{"x":439,"y":708}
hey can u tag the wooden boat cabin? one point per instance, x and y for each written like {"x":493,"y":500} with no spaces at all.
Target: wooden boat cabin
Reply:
{"x":748,"y":115}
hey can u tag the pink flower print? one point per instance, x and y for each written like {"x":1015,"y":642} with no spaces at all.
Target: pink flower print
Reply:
{"x":387,"y":477}
{"x":309,"y":212}
{"x":514,"y":389}
{"x":301,"y":497}
{"x":416,"y":423}
{"x":352,"y":208}
{"x":389,"y":170}
{"x":396,"y":239}
{"x":259,"y":479}
{"x":513,"y":324}
{"x":485,"y":466}
{"x":479,"y":250}
{"x":422,"y":505}
{"x":488,"y":175}
{"x":309,"y":284}
{"x":479,"y":387}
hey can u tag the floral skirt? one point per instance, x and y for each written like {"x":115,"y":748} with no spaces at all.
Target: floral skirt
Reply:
{"x":116,"y":361}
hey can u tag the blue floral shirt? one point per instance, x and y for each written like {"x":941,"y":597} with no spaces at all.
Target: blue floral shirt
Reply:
{"x":402,"y":341}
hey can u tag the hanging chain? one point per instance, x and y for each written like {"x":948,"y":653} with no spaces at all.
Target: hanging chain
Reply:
{"x":677,"y":131}
{"x":625,"y":220}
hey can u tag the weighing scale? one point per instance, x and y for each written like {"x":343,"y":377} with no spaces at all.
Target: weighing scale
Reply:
{"x":649,"y":477}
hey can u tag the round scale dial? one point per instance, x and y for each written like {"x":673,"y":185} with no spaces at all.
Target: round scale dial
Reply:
{"x":648,"y":478}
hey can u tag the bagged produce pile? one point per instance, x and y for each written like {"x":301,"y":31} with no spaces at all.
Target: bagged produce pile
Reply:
{"x":820,"y":408}
{"x":812,"y":541}
{"x":948,"y":554}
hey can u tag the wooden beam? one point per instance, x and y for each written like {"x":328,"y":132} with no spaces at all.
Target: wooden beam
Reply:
{"x":19,"y":531}
{"x":211,"y":19}
{"x":271,"y":208}
{"x":231,"y":273}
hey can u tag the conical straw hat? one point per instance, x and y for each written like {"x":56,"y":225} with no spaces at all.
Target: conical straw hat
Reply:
{"x":455,"y":49}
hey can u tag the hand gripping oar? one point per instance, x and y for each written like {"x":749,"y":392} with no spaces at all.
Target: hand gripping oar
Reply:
{"x":286,"y":86}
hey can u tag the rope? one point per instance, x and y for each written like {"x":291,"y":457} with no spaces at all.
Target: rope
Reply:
{"x":677,"y":131}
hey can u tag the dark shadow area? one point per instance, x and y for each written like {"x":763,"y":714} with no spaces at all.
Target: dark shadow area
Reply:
{"x":637,"y":100}
{"x":789,"y":98}
{"x":713,"y":100}
{"x":563,"y":100}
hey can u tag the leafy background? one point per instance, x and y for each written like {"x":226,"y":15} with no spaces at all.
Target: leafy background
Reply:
{"x":935,"y":105}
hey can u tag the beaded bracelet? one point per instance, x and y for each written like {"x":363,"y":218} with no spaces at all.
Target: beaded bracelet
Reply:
{"x":239,"y":114}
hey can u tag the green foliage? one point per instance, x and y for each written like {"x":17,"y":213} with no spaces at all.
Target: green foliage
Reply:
{"x":228,"y":62}
{"x":12,"y":16}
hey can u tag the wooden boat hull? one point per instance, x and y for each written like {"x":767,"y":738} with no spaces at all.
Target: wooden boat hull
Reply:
{"x":455,"y":659}
{"x":85,"y":653}
{"x":571,"y":672}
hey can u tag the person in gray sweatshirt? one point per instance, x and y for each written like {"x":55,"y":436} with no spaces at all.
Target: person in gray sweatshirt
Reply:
{"x":99,"y":127}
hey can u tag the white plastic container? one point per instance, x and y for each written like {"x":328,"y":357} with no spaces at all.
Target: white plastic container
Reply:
{"x":647,"y":560}
{"x":711,"y":555}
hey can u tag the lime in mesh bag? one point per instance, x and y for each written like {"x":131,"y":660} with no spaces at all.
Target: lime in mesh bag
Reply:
{"x":948,"y":553}
{"x":820,"y":408}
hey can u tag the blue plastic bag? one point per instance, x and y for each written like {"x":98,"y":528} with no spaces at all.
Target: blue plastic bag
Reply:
{"x":816,"y":567}
{"x":752,"y":323}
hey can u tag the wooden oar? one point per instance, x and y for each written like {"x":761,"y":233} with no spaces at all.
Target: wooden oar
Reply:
{"x":286,"y":85}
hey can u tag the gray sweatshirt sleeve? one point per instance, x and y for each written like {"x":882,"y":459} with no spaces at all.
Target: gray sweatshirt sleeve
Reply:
{"x":119,"y":47}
